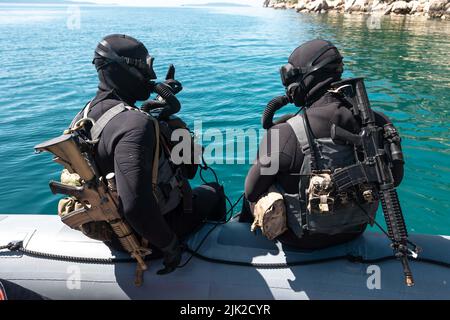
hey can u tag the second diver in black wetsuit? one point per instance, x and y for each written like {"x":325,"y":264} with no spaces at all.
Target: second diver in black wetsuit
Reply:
{"x":323,"y":64}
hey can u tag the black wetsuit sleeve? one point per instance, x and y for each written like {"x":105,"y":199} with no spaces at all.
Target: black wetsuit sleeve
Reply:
{"x":398,"y":167}
{"x":133,"y":163}
{"x":270,"y":155}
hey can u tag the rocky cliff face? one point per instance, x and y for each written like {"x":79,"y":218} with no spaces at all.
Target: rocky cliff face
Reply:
{"x":428,"y":8}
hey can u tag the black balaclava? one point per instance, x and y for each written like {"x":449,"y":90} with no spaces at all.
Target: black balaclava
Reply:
{"x":116,"y":78}
{"x":315,"y":84}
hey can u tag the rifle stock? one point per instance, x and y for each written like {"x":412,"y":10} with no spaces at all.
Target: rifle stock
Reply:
{"x":68,"y":153}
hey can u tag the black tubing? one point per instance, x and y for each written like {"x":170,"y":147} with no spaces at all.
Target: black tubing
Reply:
{"x":284,"y":265}
{"x":173,"y":105}
{"x":153,"y":104}
{"x":273,"y":105}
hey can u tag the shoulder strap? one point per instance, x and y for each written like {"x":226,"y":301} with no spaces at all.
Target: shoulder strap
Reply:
{"x":340,"y":94}
{"x":86,"y":109}
{"x":297,"y":124}
{"x":100,"y":124}
{"x":81,"y":114}
{"x":156,"y":155}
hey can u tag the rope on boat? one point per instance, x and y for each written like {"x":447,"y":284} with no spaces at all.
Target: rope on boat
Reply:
{"x":18,"y":246}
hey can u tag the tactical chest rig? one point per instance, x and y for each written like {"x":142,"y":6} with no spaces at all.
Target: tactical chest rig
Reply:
{"x":96,"y":195}
{"x":320,"y":207}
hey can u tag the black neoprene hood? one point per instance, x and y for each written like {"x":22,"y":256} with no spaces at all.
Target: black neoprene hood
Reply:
{"x":124,"y":65}
{"x":311,"y":54}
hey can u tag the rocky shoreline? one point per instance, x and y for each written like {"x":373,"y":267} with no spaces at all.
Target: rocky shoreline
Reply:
{"x":436,"y":9}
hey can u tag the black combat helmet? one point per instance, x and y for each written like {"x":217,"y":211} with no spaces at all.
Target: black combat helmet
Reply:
{"x":311,"y":68}
{"x":125,"y":66}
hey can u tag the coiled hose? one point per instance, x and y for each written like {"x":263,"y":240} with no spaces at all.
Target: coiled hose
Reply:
{"x":153,"y":104}
{"x":273,"y":105}
{"x":173,"y":105}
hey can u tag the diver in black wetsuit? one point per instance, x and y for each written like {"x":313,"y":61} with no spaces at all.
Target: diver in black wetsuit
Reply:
{"x":127,"y":146}
{"x":323,"y":109}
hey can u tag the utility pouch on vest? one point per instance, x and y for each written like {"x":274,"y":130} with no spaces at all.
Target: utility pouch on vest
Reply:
{"x":270,"y":214}
{"x":172,"y":187}
{"x":325,"y":207}
{"x":295,"y":212}
{"x":98,"y":230}
{"x":319,"y":192}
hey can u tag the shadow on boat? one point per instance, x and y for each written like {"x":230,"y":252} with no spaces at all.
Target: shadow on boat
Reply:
{"x":235,"y":263}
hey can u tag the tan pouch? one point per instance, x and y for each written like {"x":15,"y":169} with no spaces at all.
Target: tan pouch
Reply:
{"x":270,"y":214}
{"x":98,"y":230}
{"x":71,"y":179}
{"x":69,"y":204}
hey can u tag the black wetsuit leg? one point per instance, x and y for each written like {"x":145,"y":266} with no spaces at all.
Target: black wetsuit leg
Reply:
{"x":246,"y":212}
{"x":208,"y":204}
{"x":318,"y":240}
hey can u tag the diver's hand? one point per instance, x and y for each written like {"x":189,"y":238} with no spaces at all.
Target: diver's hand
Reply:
{"x":172,"y":257}
{"x":175,"y":85}
{"x":170,"y":75}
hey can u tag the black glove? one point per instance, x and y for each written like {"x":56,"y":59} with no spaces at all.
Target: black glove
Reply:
{"x":172,"y":256}
{"x":175,"y":85}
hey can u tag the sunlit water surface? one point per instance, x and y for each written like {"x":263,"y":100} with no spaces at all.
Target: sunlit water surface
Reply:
{"x":227,"y":60}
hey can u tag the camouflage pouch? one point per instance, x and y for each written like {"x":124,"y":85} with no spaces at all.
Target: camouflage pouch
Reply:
{"x":98,"y":230}
{"x":270,"y":214}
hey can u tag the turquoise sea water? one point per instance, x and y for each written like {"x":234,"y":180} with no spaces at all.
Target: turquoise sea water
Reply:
{"x":227,"y":60}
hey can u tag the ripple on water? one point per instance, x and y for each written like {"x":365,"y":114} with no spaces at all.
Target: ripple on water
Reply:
{"x":228,"y":62}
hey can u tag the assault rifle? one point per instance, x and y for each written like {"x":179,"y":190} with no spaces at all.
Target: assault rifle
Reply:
{"x":375,"y":149}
